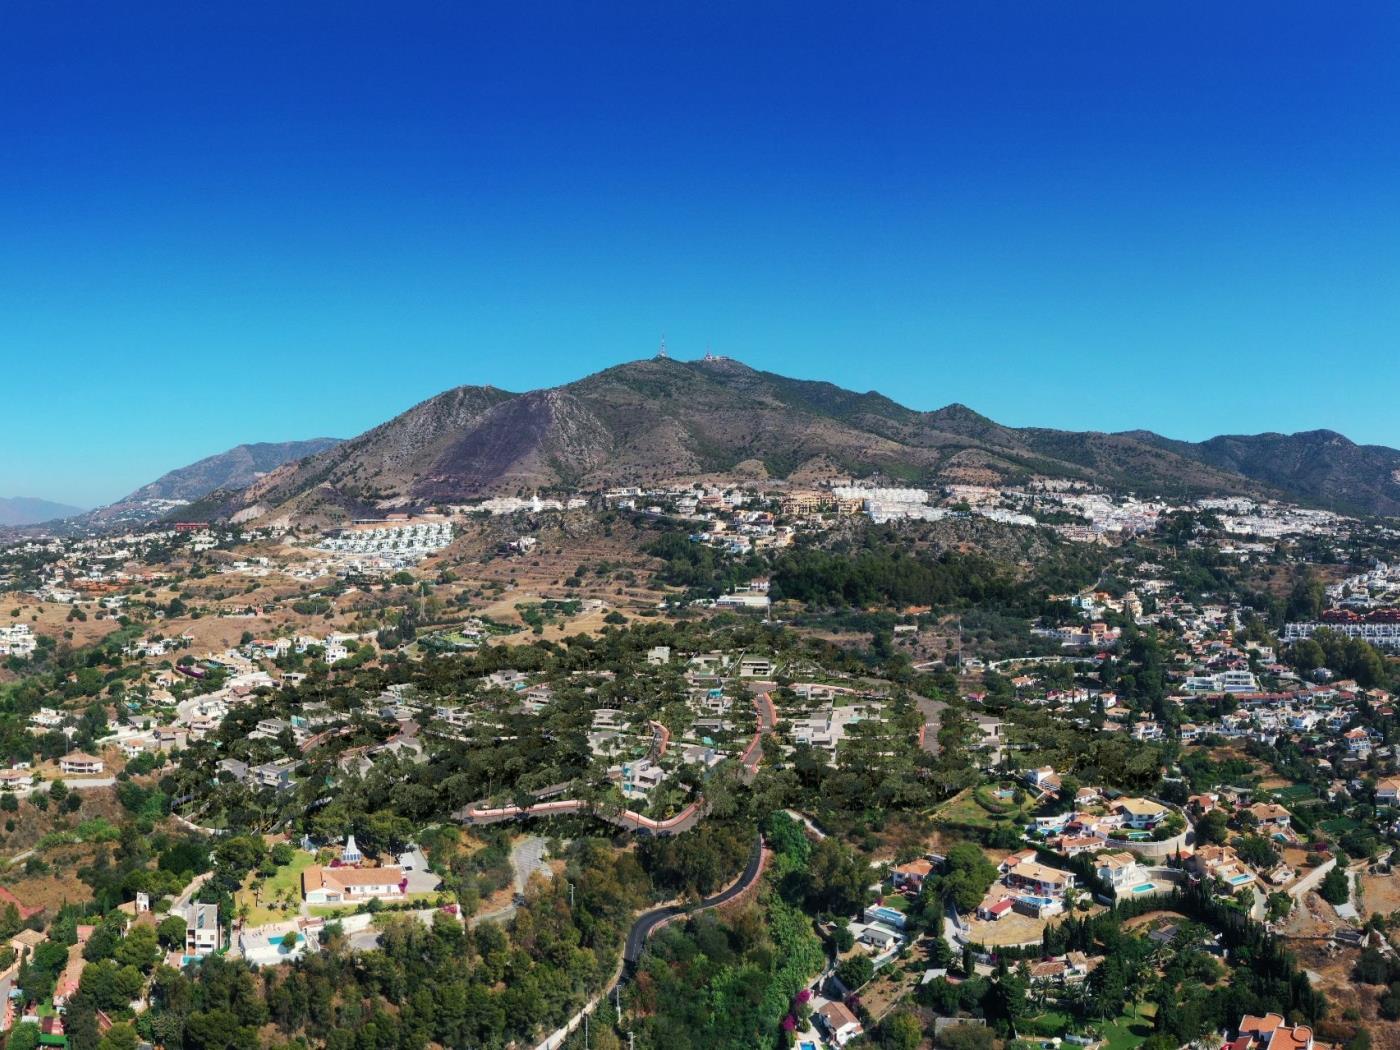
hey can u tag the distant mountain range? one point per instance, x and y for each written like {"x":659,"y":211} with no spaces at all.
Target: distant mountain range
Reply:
{"x":27,"y":510}
{"x":227,"y":471}
{"x":663,"y":420}
{"x":1316,"y":466}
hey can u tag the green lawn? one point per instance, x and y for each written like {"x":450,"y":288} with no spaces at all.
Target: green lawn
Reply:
{"x":1047,"y":1023}
{"x":1127,"y":1033}
{"x":1338,"y":825}
{"x":285,"y":879}
{"x":967,"y":810}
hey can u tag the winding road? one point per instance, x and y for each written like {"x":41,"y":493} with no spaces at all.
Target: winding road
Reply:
{"x":647,"y":924}
{"x":479,"y":813}
{"x":653,"y":920}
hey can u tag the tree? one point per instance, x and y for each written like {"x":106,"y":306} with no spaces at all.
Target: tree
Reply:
{"x":966,"y":1037}
{"x":901,"y":1031}
{"x":1335,"y":888}
{"x":966,"y":876}
{"x":1213,"y":828}
{"x":1257,"y":851}
{"x":120,"y":1036}
{"x":23,"y":1037}
{"x":856,"y":971}
{"x":839,"y":878}
{"x":139,"y":948}
{"x":171,"y":932}
{"x":1372,"y":968}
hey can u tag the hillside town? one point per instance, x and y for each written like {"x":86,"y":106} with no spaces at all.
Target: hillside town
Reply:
{"x":1091,"y":794}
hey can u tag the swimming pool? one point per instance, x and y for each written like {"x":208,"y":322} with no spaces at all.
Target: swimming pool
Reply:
{"x":1144,"y":887}
{"x":889,"y":915}
{"x":1235,"y":880}
{"x":1036,"y":902}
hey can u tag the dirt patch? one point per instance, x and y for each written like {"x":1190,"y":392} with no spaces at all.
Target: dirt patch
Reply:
{"x":1311,"y":917}
{"x":1151,"y":919}
{"x":59,"y":885}
{"x":1333,"y":969}
{"x":51,"y":618}
{"x":32,"y":824}
{"x":1380,"y":893}
{"x":1013,"y":928}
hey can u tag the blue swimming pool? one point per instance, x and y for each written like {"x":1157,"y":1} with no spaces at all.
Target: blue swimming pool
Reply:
{"x":1144,"y":887}
{"x":1235,"y":880}
{"x":1036,"y":902}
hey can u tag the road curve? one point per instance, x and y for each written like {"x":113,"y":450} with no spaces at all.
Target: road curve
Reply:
{"x":479,"y":813}
{"x":648,"y":923}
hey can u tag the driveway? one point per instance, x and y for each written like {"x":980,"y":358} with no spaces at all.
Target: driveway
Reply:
{"x":932,"y":710}
{"x":527,"y":857}
{"x":91,"y":783}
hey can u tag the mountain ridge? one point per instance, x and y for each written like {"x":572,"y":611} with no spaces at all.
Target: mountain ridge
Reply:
{"x":658,"y":420}
{"x":232,"y":470}
{"x":33,"y":510}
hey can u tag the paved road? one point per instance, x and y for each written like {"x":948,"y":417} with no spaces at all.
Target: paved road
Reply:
{"x":645,"y":926}
{"x":637,"y":938}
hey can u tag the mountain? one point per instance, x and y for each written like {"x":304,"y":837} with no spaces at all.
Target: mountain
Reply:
{"x":662,"y":420}
{"x":27,"y":510}
{"x":1315,"y":466}
{"x":232,"y":470}
{"x":238,"y":467}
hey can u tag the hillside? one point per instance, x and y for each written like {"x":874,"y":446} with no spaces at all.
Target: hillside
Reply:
{"x":660,"y":420}
{"x":1316,"y":466}
{"x":236,"y":468}
{"x":227,"y":471}
{"x":29,"y":510}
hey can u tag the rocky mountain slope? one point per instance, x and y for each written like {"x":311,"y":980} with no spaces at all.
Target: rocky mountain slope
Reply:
{"x":662,"y":420}
{"x":228,"y":471}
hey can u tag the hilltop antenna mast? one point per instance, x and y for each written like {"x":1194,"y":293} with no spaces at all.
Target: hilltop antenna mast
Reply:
{"x":662,"y":355}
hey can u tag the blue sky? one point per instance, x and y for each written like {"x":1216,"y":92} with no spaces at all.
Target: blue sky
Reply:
{"x":238,"y":222}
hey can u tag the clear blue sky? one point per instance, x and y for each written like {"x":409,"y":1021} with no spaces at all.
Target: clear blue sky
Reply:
{"x":228,"y":222}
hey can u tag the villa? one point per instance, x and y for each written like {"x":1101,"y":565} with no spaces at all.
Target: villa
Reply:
{"x":1140,"y":813}
{"x":1121,"y":871}
{"x":1220,"y":862}
{"x":839,"y":1024}
{"x":1039,"y":879}
{"x":350,"y":885}
{"x":81,"y":764}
